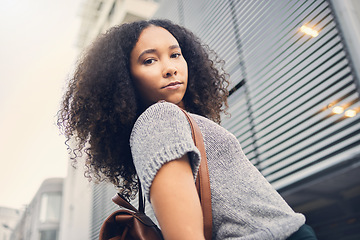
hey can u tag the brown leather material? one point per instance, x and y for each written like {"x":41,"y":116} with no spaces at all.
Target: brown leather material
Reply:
{"x":125,"y":224}
{"x":131,"y":223}
{"x":119,"y":200}
{"x":202,"y":180}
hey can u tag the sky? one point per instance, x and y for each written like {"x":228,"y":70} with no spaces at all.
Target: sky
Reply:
{"x":37,"y":52}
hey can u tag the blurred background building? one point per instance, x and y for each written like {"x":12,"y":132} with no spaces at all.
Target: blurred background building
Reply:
{"x":294,"y":102}
{"x":99,"y":15}
{"x":41,"y":219}
{"x":8,"y":220}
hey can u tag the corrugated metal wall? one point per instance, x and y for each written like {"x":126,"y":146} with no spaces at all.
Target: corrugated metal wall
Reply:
{"x":285,"y":83}
{"x":102,"y":206}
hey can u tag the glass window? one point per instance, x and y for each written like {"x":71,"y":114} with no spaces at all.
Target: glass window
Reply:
{"x":50,"y":208}
{"x":48,"y":235}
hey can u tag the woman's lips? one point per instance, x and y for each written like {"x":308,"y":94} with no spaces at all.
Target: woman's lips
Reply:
{"x":173,"y":85}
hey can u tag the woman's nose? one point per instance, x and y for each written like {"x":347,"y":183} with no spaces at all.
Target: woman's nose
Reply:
{"x":169,"y":71}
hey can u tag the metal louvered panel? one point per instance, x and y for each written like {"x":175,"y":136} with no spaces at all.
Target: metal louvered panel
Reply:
{"x":292,"y":78}
{"x":102,"y":206}
{"x":170,"y":10}
{"x":213,"y":28}
{"x":284,"y":83}
{"x":242,"y":128}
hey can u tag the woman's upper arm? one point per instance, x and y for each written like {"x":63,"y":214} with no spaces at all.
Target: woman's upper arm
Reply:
{"x":166,"y":161}
{"x":160,"y":135}
{"x":175,"y":201}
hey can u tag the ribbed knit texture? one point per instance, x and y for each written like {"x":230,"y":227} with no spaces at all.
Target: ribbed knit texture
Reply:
{"x":244,"y":204}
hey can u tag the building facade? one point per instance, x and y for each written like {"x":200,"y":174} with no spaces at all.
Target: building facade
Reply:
{"x":99,"y":15}
{"x":294,"y":95}
{"x":76,"y":206}
{"x":41,"y":218}
{"x":8,"y":220}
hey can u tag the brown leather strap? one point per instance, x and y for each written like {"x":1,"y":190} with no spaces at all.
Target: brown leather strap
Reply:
{"x":202,"y":181}
{"x":119,"y":200}
{"x":141,"y":198}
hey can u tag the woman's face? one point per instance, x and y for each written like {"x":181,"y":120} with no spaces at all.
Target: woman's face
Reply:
{"x":158,"y":68}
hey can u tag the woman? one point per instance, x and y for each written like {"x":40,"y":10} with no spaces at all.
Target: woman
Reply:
{"x":112,"y":107}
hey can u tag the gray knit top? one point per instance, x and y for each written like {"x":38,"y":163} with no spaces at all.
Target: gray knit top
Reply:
{"x":244,"y":204}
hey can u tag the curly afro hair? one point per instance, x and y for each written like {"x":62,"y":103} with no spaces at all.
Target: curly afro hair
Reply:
{"x":101,"y":104}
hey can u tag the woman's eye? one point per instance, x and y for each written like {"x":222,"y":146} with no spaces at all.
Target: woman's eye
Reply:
{"x":175,"y":55}
{"x":149,"y":61}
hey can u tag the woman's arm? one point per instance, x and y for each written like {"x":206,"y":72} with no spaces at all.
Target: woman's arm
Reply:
{"x":175,"y":201}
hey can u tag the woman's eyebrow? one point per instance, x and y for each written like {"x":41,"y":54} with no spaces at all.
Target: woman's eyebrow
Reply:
{"x":151,"y":50}
{"x":174,"y":46}
{"x":145,"y":52}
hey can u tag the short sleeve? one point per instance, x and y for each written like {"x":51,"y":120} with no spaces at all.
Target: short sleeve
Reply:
{"x":161,"y":134}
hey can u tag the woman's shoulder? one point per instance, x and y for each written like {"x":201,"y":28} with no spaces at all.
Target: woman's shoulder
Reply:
{"x":160,"y":117}
{"x":213,"y":131}
{"x":159,"y":111}
{"x":162,"y":108}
